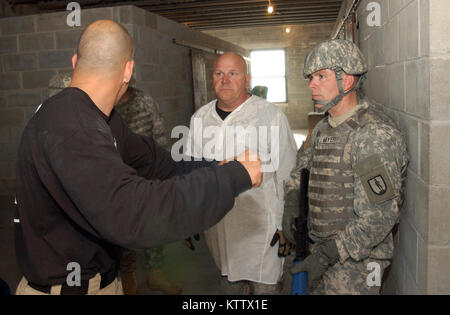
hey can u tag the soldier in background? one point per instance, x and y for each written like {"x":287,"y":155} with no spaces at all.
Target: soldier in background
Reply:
{"x":357,"y":162}
{"x":141,"y":114}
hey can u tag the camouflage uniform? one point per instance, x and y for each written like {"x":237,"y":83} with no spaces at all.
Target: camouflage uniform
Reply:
{"x":140,"y":113}
{"x":357,"y":171}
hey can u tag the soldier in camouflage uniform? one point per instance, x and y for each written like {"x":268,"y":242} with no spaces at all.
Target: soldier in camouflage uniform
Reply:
{"x":357,"y":162}
{"x":141,"y":114}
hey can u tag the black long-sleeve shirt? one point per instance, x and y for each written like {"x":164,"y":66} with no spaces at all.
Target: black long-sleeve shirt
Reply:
{"x":86,"y":183}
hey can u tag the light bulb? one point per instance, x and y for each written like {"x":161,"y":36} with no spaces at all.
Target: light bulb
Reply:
{"x":288,"y":29}
{"x":270,"y":9}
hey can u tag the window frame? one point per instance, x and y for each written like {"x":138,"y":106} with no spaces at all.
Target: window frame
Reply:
{"x":285,"y":71}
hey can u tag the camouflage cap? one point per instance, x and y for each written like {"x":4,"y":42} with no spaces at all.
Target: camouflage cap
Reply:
{"x":60,"y":81}
{"x":335,"y":54}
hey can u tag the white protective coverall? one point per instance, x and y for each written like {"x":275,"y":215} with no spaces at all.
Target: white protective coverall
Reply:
{"x":240,"y":242}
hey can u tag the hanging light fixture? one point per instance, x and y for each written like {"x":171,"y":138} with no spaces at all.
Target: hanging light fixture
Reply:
{"x":270,"y":8}
{"x":287,"y":29}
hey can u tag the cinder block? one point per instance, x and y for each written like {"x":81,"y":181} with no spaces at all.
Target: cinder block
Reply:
{"x":423,"y":88}
{"x":11,"y":116}
{"x":413,"y":31}
{"x":379,"y":84}
{"x":36,"y":42}
{"x":411,"y":86}
{"x":408,"y":246}
{"x":416,"y":208}
{"x":150,"y":73}
{"x":16,"y":131}
{"x":424,"y":8}
{"x":9,"y":81}
{"x":17,"y":25}
{"x":9,"y":150}
{"x":67,"y":39}
{"x":56,"y":59}
{"x":439,"y":89}
{"x":422,"y":264}
{"x":125,"y":15}
{"x":425,"y":159}
{"x":439,"y":39}
{"x":20,"y":62}
{"x":397,"y":86}
{"x":395,"y":6}
{"x":37,"y":79}
{"x":438,"y":274}
{"x":168,"y":106}
{"x":410,"y":127}
{"x":403,"y":35}
{"x":439,"y":153}
{"x":150,"y":20}
{"x":4,"y":134}
{"x":54,"y":22}
{"x":91,"y":15}
{"x":411,"y":287}
{"x":3,"y":101}
{"x":138,"y":16}
{"x":8,"y":44}
{"x":24,"y":98}
{"x":391,"y":46}
{"x":439,"y":216}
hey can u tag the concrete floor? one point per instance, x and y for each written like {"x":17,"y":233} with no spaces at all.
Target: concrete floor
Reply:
{"x":194,"y":270}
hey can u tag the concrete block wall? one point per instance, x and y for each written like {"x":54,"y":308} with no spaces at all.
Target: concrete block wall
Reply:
{"x":297,"y":44}
{"x":409,"y":59}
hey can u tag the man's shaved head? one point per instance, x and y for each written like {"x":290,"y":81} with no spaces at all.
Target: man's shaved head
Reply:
{"x":238,"y":59}
{"x":104,"y":47}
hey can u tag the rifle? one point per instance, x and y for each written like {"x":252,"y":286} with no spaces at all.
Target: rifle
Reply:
{"x":300,"y":280}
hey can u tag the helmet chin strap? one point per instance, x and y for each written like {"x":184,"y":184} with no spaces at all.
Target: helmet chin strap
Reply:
{"x":328,"y":105}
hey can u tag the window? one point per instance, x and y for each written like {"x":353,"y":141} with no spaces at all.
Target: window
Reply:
{"x":269,"y":69}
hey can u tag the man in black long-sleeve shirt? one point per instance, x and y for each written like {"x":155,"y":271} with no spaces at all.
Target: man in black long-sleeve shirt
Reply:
{"x":86,"y":183}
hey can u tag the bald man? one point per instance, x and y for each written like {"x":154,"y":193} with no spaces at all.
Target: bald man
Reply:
{"x":87,"y":185}
{"x":243,"y":242}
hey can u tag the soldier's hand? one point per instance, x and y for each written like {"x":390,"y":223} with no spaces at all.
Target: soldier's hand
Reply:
{"x":252,"y":164}
{"x":291,"y":209}
{"x":284,"y":246}
{"x":316,"y":264}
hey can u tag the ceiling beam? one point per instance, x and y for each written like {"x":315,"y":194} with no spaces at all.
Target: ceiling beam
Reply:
{"x":279,"y":21}
{"x":241,"y":25}
{"x":235,"y":4}
{"x":214,"y":13}
{"x":250,"y":15}
{"x":257,"y":17}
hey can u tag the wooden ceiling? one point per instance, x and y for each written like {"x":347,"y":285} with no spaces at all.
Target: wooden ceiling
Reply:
{"x":214,"y":14}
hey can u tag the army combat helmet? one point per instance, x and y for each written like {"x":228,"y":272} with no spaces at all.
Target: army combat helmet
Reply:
{"x":340,"y":56}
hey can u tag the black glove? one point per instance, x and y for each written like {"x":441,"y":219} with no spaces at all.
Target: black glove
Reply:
{"x":188,"y":241}
{"x":284,"y":246}
{"x":316,"y":264}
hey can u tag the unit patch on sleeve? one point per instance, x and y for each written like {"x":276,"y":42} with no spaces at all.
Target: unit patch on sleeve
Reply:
{"x":375,"y":179}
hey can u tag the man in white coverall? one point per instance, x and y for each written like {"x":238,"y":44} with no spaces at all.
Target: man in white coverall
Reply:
{"x":242,"y":243}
